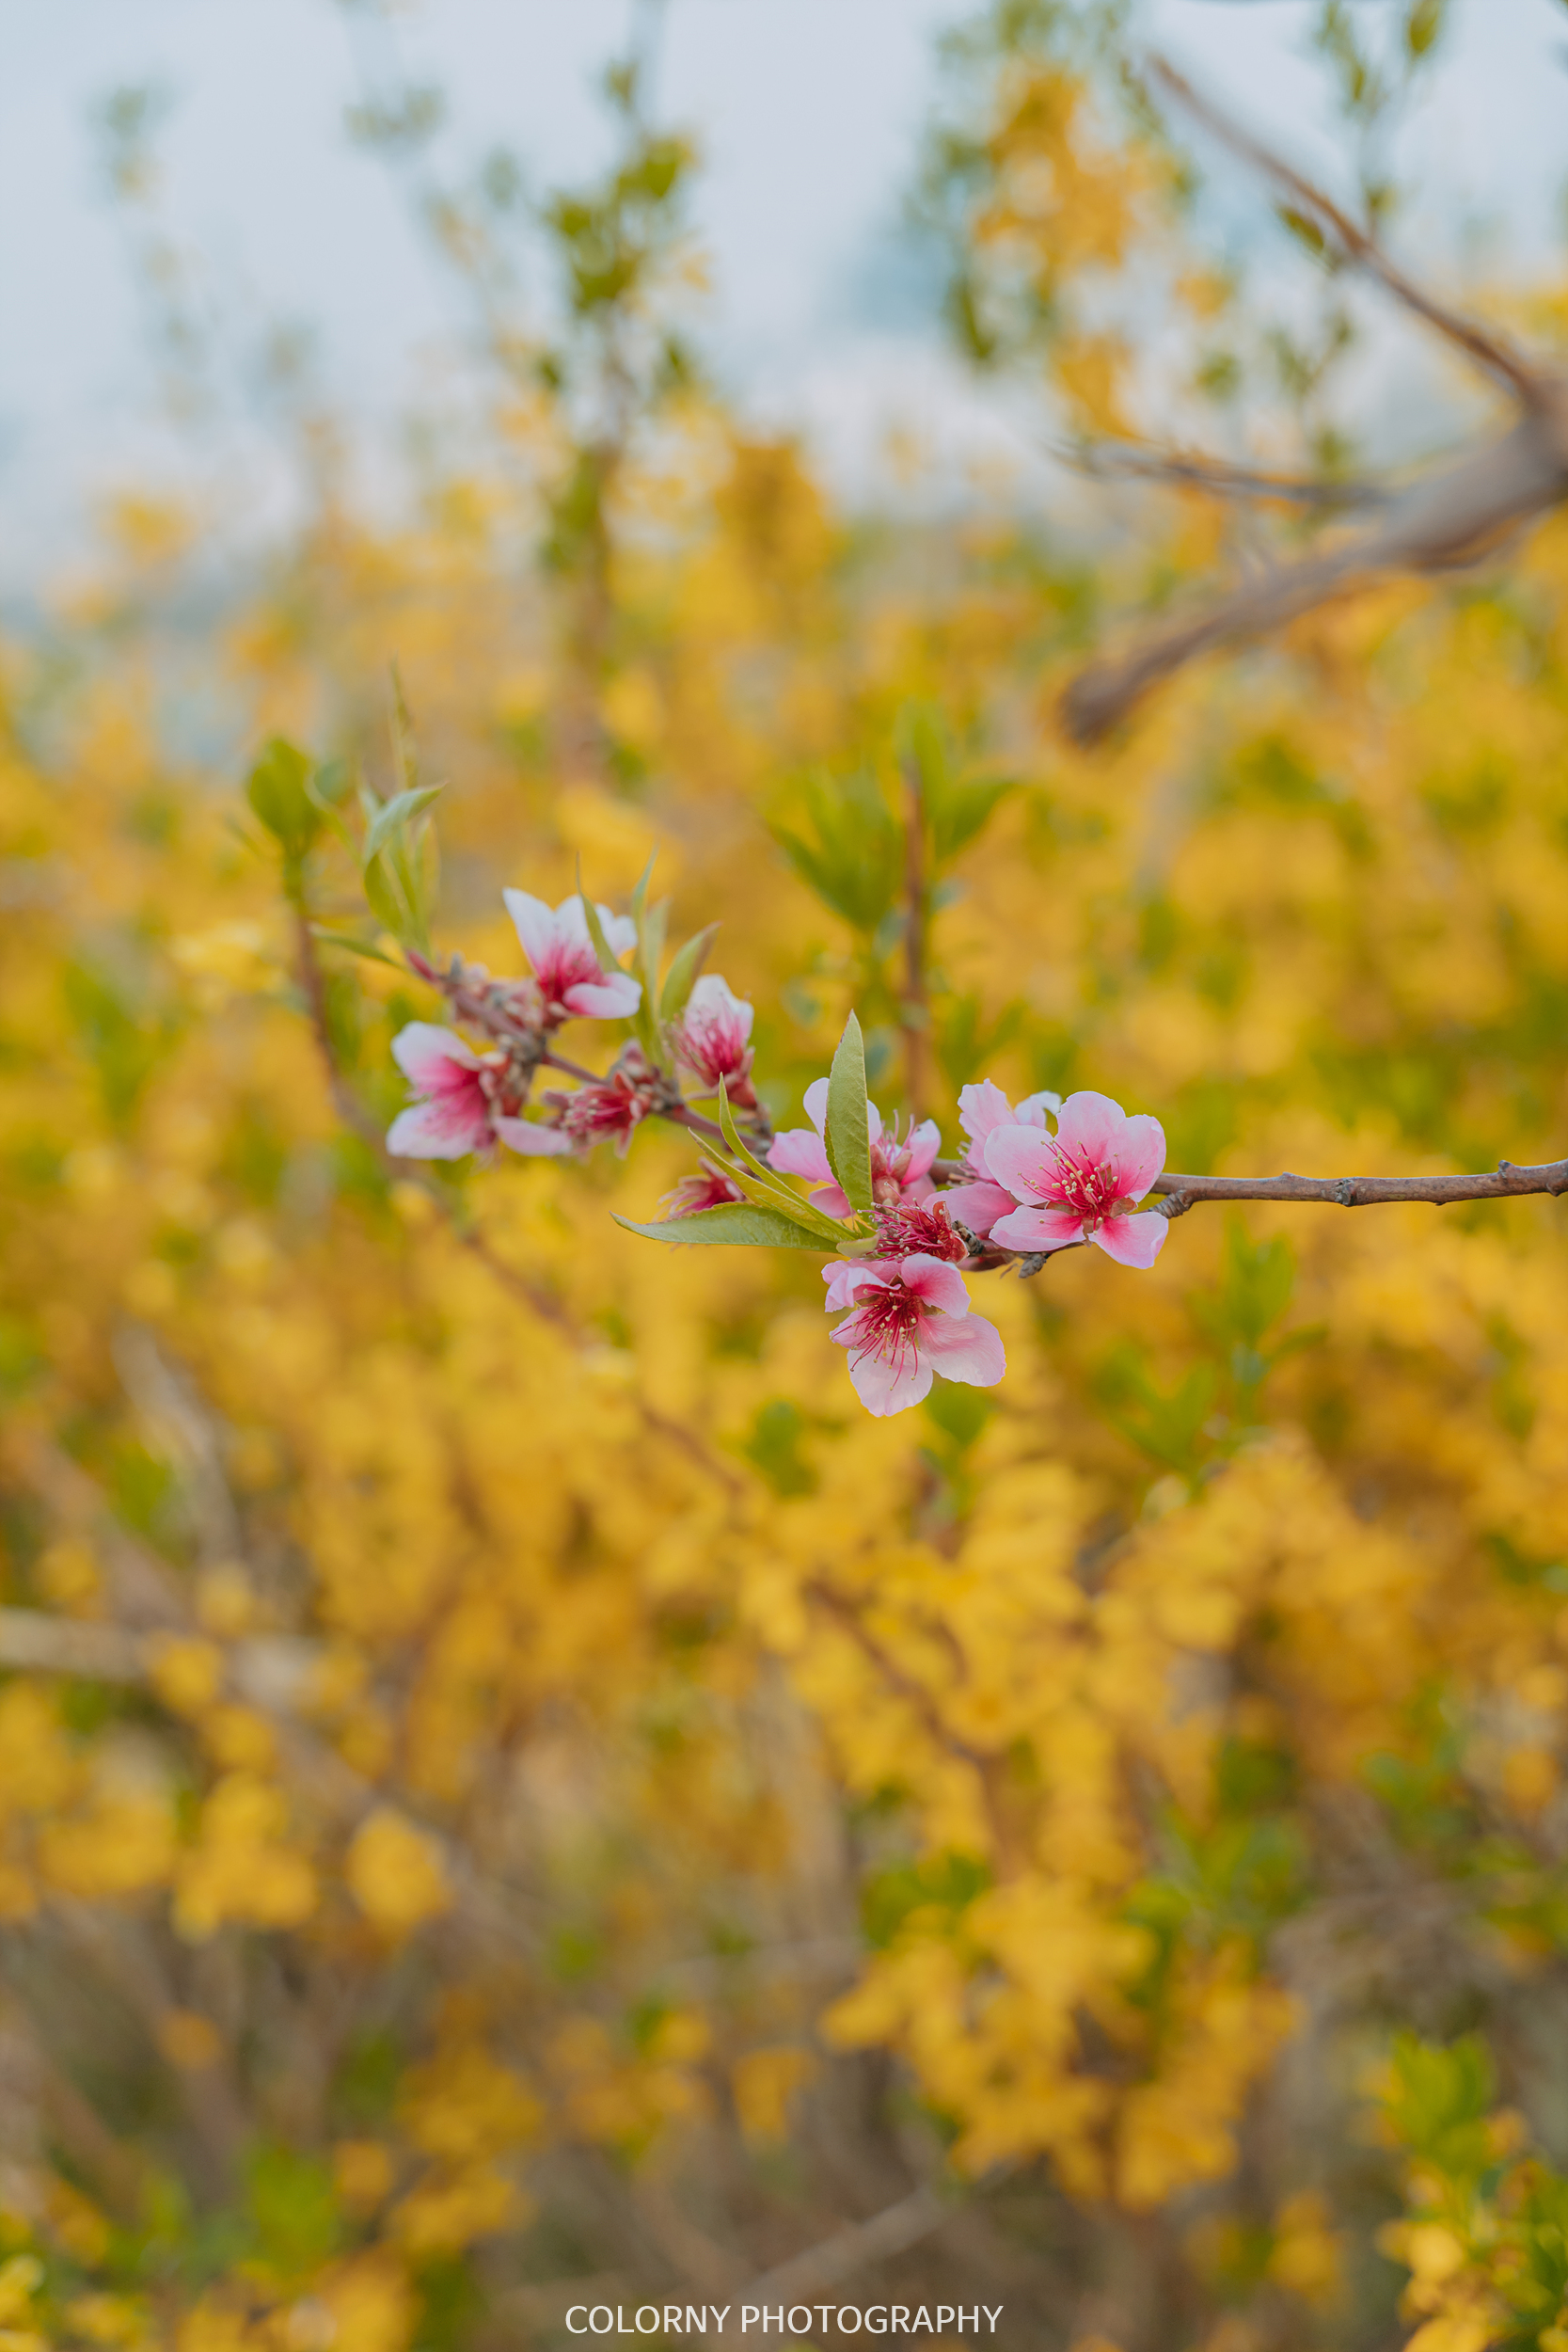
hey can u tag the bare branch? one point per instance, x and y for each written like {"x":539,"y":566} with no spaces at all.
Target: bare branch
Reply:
{"x":1110,"y":461}
{"x":839,"y":2257}
{"x":1454,"y":515}
{"x":1180,"y":1193}
{"x":1488,"y":351}
{"x":1450,"y":517}
{"x":1504,"y":1183}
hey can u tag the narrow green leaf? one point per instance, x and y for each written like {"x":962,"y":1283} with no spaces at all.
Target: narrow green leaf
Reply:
{"x":733,"y":1222}
{"x":595,"y":928}
{"x":681,"y":978}
{"x":779,"y":1201}
{"x":383,"y":902}
{"x":405,"y":750}
{"x":392,"y":818}
{"x":330,"y":783}
{"x":847,"y":1129}
{"x":652,"y":923}
{"x":759,"y":1183}
{"x":355,"y":947}
{"x":639,"y":895}
{"x":276,"y":793}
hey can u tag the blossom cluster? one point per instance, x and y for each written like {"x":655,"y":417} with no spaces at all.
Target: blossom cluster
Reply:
{"x":1035,"y":1177}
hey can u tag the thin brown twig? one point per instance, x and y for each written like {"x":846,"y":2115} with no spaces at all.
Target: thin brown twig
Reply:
{"x":1192,"y":469}
{"x":852,"y":2248}
{"x":522,"y":1286}
{"x":1453,"y":514}
{"x":1504,"y":1183}
{"x":1488,"y":351}
{"x":916,"y":1012}
{"x":984,"y":1766}
{"x":1178,"y":1194}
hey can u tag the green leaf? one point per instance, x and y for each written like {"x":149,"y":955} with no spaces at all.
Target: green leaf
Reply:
{"x":759,"y":1183}
{"x":737,"y":1224}
{"x":386,"y":907}
{"x":847,"y":1129}
{"x":652,"y":923}
{"x":595,"y":928}
{"x":681,"y":978}
{"x":405,"y":750}
{"x":355,"y":946}
{"x":330,"y":783}
{"x":276,"y":790}
{"x":392,"y":817}
{"x":854,"y":855}
{"x":639,"y":895}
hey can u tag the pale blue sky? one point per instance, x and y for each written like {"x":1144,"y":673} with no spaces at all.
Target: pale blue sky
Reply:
{"x":807,"y":111}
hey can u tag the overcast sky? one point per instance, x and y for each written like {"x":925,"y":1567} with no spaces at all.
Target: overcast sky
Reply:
{"x":808,"y":113}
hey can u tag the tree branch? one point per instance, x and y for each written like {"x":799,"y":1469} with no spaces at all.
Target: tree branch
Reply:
{"x":916,"y":1009}
{"x":1504,"y":1183}
{"x":1453,"y":514}
{"x":1487,"y":350}
{"x":850,"y":2249}
{"x":1180,"y":1193}
{"x":1109,"y":461}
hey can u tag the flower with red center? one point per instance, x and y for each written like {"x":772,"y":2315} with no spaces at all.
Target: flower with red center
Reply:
{"x":712,"y":1039}
{"x":557,"y":944}
{"x":910,"y":1319}
{"x":467,"y":1101}
{"x":980,"y":1200}
{"x":1082,"y":1182}
{"x":611,"y":1109}
{"x":919,"y":1229}
{"x":452,"y":1113}
{"x":900,"y":1165}
{"x":710,"y":1188}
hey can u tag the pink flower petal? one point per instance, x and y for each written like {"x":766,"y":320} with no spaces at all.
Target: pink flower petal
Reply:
{"x":798,"y":1153}
{"x":1039,"y":1229}
{"x":610,"y":999}
{"x":966,"y":1348}
{"x":1141,"y":1157}
{"x":882,"y":1386}
{"x":982,"y":1109}
{"x":816,"y":1104}
{"x":844,"y":1280}
{"x":1136,"y":1240}
{"x":620,"y":932}
{"x":924,"y":1146}
{"x":1031,"y":1111}
{"x":935,"y":1284}
{"x":535,"y":925}
{"x":534,"y":1141}
{"x":428,"y":1131}
{"x":422,"y":1051}
{"x":831,"y":1202}
{"x":978,"y":1206}
{"x":713,"y":1000}
{"x":1024,"y":1160}
{"x":1092,"y":1127}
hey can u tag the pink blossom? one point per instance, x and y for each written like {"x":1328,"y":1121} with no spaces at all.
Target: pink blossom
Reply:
{"x":712,"y":1038}
{"x":452,"y":1113}
{"x":466,"y":1101}
{"x":558,"y":946}
{"x":710,"y":1188}
{"x":982,"y":1109}
{"x":908,"y":1320}
{"x":900,"y":1165}
{"x":612,"y":1107}
{"x":1080,"y":1184}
